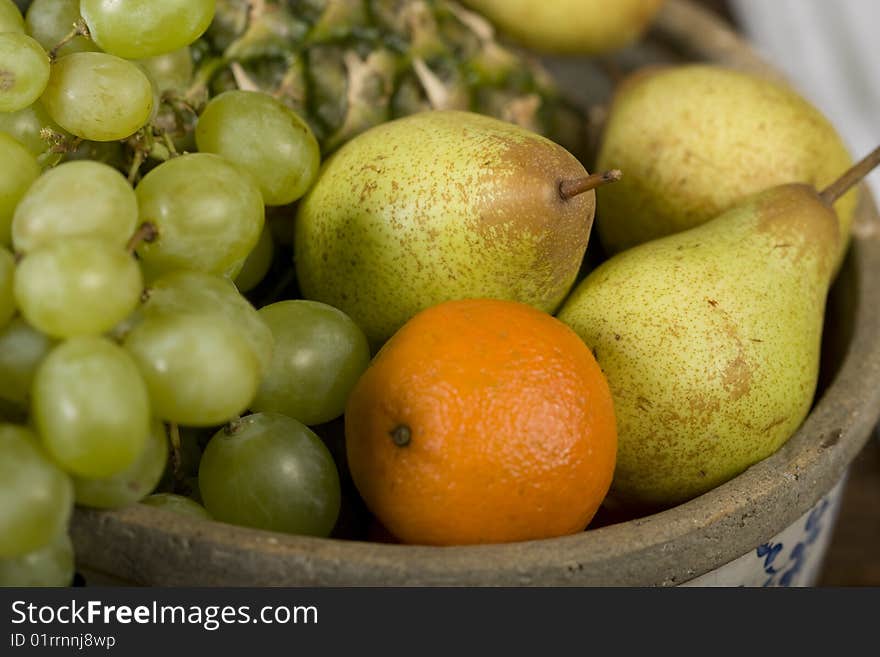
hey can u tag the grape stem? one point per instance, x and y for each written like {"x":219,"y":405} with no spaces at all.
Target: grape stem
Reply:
{"x":59,"y":143}
{"x":136,"y":161}
{"x":178,"y":101}
{"x":196,"y":96}
{"x":144,"y":144}
{"x":180,"y":106}
{"x":141,"y":144}
{"x":79,"y":29}
{"x":242,"y":80}
{"x":173,"y":432}
{"x":233,"y":427}
{"x":147,"y":232}
{"x":169,"y":144}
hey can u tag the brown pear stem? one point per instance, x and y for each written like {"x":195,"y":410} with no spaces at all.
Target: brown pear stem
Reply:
{"x":568,"y":189}
{"x":852,"y":177}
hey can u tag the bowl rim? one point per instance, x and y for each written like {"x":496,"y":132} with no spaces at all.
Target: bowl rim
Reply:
{"x":665,"y":548}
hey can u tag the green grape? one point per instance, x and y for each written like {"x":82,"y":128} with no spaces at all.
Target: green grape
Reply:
{"x":177,"y":504}
{"x":172,"y":71}
{"x":185,"y":291}
{"x":77,"y":286}
{"x":145,"y":28}
{"x":266,"y":138}
{"x":271,"y":472}
{"x":208,"y":214}
{"x":132,"y":484}
{"x":83,"y":198}
{"x":50,"y":565}
{"x":11,"y":19}
{"x":319,"y":355}
{"x":51,"y":21}
{"x":22,"y":349}
{"x":24,"y":71}
{"x":36,"y":497}
{"x":199,"y":369}
{"x":90,"y":407}
{"x":190,"y":453}
{"x":7,"y":278}
{"x":26,"y":126}
{"x":98,"y":96}
{"x":18,"y":170}
{"x":154,"y":90}
{"x":258,"y":262}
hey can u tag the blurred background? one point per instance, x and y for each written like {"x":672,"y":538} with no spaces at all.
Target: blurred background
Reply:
{"x":827,"y":49}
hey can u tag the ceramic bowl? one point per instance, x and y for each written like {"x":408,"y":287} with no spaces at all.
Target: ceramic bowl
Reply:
{"x":768,"y":526}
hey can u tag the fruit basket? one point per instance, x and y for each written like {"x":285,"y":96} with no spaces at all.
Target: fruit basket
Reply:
{"x":770,"y":524}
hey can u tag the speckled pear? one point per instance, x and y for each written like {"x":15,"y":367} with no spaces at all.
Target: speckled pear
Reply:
{"x":710,"y":341}
{"x":439,"y":206}
{"x":693,"y":139}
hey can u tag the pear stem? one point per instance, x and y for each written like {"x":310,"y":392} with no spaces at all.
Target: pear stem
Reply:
{"x":568,"y":189}
{"x":852,"y":177}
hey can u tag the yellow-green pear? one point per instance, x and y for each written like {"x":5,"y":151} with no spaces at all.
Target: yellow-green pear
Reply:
{"x":710,"y":339}
{"x":572,"y":27}
{"x":694,"y":139}
{"x":437,"y":206}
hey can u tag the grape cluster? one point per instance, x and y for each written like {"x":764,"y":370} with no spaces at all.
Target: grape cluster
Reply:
{"x":134,"y":367}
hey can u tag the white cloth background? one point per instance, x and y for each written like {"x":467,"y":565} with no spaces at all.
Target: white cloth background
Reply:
{"x":828,"y":48}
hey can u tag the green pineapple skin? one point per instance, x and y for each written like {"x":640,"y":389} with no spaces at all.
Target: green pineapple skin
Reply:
{"x":347,"y":65}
